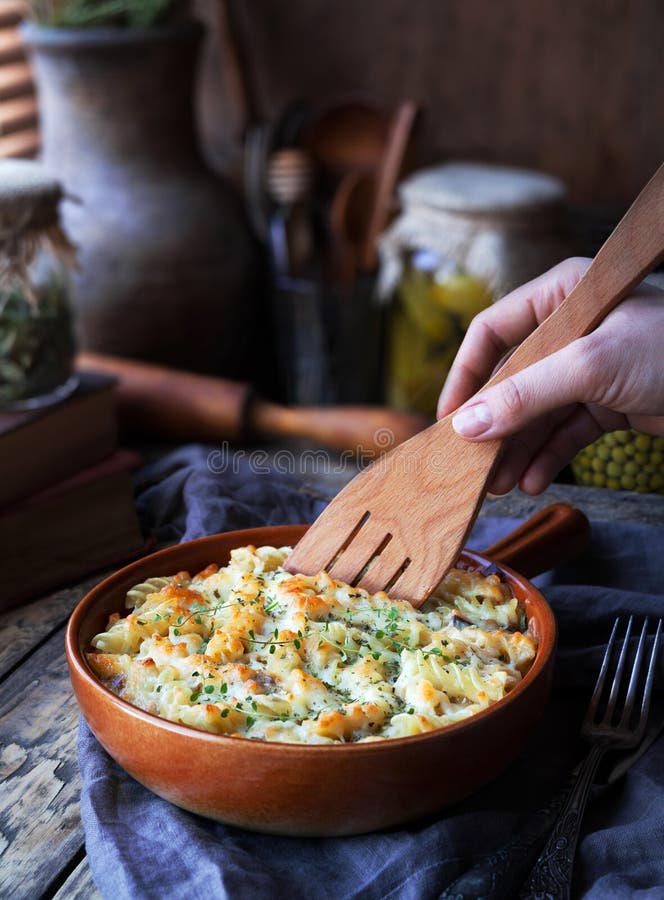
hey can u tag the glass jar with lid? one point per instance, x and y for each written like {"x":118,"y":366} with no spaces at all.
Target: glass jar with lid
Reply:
{"x":467,"y":235}
{"x":36,"y":333}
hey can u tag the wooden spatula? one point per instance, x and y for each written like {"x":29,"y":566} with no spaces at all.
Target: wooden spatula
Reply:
{"x":400,"y":524}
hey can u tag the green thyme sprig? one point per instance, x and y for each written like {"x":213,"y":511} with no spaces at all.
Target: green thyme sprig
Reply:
{"x":343,"y":649}
{"x":389,"y":632}
{"x":272,"y":642}
{"x":395,"y":645}
{"x":198,"y":611}
{"x":249,"y":708}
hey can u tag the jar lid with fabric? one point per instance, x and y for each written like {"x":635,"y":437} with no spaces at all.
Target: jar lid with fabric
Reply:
{"x":498,"y":223}
{"x":467,"y":234}
{"x":36,"y":333}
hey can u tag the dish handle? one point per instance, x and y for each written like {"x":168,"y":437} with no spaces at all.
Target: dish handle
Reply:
{"x":551,"y":536}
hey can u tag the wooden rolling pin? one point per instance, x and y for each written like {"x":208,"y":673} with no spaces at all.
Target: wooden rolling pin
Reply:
{"x":169,"y":403}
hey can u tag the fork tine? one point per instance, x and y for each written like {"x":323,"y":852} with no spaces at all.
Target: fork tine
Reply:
{"x":634,"y":677}
{"x":617,"y":678}
{"x":650,"y":679}
{"x":599,"y":684}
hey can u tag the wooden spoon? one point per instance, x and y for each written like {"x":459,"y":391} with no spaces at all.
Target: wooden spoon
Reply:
{"x":400,"y":524}
{"x":386,"y":181}
{"x":350,"y":212}
{"x":347,"y":136}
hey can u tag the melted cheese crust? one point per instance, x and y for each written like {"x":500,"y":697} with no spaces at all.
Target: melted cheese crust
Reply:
{"x":250,"y":650}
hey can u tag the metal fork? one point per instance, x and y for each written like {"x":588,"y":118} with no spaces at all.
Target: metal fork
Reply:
{"x":618,"y":725}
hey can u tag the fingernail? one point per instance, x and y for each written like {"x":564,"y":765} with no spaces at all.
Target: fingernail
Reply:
{"x":473,"y":420}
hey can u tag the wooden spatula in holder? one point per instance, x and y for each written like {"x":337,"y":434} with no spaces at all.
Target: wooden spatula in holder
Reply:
{"x":400,"y":524}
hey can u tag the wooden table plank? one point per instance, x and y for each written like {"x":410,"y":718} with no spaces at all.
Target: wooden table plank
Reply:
{"x":40,"y":828}
{"x":79,"y":885}
{"x":600,"y":504}
{"x":22,"y":629}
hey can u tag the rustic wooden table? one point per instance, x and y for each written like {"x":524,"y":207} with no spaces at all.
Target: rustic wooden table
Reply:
{"x":42,"y":850}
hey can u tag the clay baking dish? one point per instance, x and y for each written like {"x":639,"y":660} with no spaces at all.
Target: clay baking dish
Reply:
{"x":312,"y":789}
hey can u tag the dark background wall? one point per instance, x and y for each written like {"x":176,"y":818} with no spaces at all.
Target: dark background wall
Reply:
{"x":574,"y":87}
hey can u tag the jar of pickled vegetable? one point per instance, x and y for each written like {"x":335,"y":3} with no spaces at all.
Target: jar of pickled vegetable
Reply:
{"x":623,"y":461}
{"x":467,"y":234}
{"x":36,"y":333}
{"x":435,"y":303}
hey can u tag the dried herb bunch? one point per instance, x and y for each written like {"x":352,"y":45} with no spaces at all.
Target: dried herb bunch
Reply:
{"x":94,"y":13}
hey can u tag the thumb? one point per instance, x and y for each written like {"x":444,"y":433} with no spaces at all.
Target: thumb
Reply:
{"x":512,"y":404}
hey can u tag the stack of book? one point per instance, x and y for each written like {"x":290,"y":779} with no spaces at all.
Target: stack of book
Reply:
{"x":66,"y":498}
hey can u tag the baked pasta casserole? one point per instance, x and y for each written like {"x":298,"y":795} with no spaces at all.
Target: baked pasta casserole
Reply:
{"x":250,"y":650}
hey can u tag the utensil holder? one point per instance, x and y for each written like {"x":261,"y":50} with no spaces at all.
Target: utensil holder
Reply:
{"x":329,"y":341}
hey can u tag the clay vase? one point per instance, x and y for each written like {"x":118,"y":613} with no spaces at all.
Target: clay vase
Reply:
{"x":165,"y":257}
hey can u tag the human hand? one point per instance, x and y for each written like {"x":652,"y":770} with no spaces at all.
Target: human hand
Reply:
{"x":613,"y":378}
